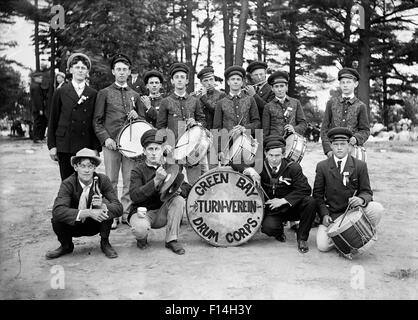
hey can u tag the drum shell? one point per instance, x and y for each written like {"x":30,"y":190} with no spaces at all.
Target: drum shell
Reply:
{"x":194,"y":153}
{"x":359,"y":153}
{"x":243,"y":149}
{"x":295,"y":147}
{"x":355,"y":232}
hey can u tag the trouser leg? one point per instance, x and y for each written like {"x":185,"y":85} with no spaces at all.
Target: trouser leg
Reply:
{"x":64,"y":162}
{"x":127,"y":166}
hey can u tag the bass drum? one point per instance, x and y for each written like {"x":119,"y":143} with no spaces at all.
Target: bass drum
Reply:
{"x":225,"y":208}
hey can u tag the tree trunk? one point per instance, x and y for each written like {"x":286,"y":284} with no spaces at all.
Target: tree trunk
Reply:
{"x":208,"y":34}
{"x":188,"y":44}
{"x":242,"y":30}
{"x":364,"y":59}
{"x":260,"y":17}
{"x":293,"y":49}
{"x":227,"y":35}
{"x":36,"y":38}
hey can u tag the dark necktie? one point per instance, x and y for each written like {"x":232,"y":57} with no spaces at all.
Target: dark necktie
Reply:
{"x":339,"y":166}
{"x":346,"y":100}
{"x":274,"y":169}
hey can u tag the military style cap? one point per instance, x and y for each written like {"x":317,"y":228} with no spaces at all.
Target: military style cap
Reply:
{"x":177,"y":67}
{"x":339,"y":134}
{"x":120,"y":57}
{"x":278,"y":77}
{"x":153,"y":73}
{"x":205,"y":72}
{"x":78,"y":54}
{"x":274,"y":141}
{"x":256,"y":65}
{"x":349,"y":73}
{"x":234,"y":70}
{"x":150,"y":137}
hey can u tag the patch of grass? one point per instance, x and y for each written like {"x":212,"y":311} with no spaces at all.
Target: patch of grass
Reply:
{"x":403,"y":274}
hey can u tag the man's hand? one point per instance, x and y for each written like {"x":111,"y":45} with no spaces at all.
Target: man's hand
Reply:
{"x":253,"y":174}
{"x":289,"y":128}
{"x":146,"y":101}
{"x":327,"y":220}
{"x":276,"y":203}
{"x":110,"y":144}
{"x":160,"y":175}
{"x":203,"y":91}
{"x":167,"y":148}
{"x":190,"y":122}
{"x":237,"y":130}
{"x":132,"y":115}
{"x":355,"y":202}
{"x":329,"y":154}
{"x":353,"y":141}
{"x":99,"y":215}
{"x":250,"y":90}
{"x":53,"y":154}
{"x":221,"y":157}
{"x":97,"y":201}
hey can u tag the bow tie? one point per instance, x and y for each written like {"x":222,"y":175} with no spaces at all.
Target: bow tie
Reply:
{"x":346,"y":99}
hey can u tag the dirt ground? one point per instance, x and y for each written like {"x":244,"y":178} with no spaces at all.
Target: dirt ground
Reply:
{"x":259,"y":269}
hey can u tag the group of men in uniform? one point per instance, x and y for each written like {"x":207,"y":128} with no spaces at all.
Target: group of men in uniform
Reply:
{"x":85,"y":122}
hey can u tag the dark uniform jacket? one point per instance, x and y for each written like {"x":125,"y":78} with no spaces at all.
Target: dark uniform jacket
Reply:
{"x":151,"y":114}
{"x":329,"y":191}
{"x":351,"y":114}
{"x":274,"y":119}
{"x":289,"y":182}
{"x":111,"y":111}
{"x":175,"y":108}
{"x":138,"y":86}
{"x":143,"y":191}
{"x":263,"y":96}
{"x":208,"y":102}
{"x":70,"y":127}
{"x":231,"y":111}
{"x":66,"y":203}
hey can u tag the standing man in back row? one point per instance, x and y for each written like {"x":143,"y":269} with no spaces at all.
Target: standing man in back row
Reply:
{"x":346,"y":111}
{"x":116,"y":105}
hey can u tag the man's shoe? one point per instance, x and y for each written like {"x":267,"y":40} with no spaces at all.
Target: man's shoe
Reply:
{"x":142,"y":243}
{"x":52,"y":254}
{"x":107,"y":249}
{"x":302,"y":246}
{"x":281,"y":237}
{"x":175,"y":247}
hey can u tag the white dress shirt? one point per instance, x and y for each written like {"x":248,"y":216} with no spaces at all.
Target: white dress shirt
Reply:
{"x":343,"y":161}
{"x":79,"y":87}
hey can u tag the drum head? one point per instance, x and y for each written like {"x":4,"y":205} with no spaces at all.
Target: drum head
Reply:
{"x":244,"y":147}
{"x":225,"y":208}
{"x":351,"y":217}
{"x":190,"y":142}
{"x":129,"y":139}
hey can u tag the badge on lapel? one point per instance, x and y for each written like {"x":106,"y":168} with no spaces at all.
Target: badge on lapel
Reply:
{"x":345,"y":177}
{"x":82,"y":99}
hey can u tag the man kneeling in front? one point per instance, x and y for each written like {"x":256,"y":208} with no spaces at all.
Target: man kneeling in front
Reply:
{"x":147,"y":179}
{"x":86,"y":205}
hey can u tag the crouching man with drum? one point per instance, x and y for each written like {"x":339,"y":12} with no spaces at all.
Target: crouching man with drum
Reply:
{"x":342,"y":181}
{"x":287,"y":191}
{"x":147,"y":179}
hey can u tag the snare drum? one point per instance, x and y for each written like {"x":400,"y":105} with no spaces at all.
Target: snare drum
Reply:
{"x":244,"y":148}
{"x":129,"y":138}
{"x":295,"y":147}
{"x":355,"y":235}
{"x":193,"y":145}
{"x":225,"y":208}
{"x":359,"y":153}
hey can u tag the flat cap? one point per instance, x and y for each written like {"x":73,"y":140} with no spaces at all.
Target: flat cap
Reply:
{"x":339,"y":134}
{"x":177,"y":67}
{"x":274,"y":141}
{"x":78,"y":54}
{"x":120,"y":57}
{"x":278,"y":77}
{"x":150,"y":137}
{"x":348,"y":73}
{"x":205,"y":72}
{"x":153,"y":73}
{"x":234,"y":70}
{"x":59,"y":73}
{"x":256,"y":65}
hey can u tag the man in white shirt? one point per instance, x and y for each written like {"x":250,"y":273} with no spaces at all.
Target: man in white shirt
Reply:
{"x":73,"y":214}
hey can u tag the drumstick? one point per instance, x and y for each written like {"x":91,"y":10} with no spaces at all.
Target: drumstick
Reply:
{"x":346,"y":210}
{"x":126,"y":150}
{"x":130,"y":120}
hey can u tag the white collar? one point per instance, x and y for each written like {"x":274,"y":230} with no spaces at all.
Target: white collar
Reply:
{"x":351,"y":96}
{"x":278,"y":167}
{"x":281,"y":100}
{"x":123,"y":86}
{"x":343,"y":161}
{"x":180,"y":95}
{"x":233,"y":95}
{"x":78,"y":86}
